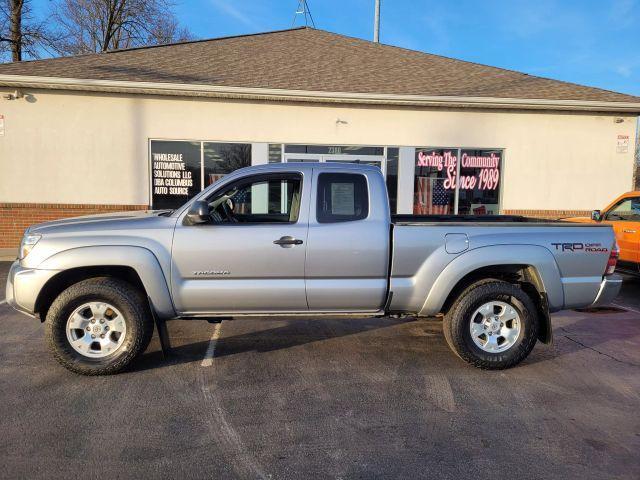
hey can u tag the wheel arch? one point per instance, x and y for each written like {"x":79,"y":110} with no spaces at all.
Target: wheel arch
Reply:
{"x":136,"y":265}
{"x":533,"y":268}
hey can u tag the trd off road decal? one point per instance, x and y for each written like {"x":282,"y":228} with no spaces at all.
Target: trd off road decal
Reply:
{"x":580,"y":247}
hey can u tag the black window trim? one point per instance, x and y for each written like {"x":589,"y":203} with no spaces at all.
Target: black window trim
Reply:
{"x":290,"y":175}
{"x":367,"y":196}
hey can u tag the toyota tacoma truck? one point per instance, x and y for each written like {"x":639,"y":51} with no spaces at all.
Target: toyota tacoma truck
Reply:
{"x":304,"y":239}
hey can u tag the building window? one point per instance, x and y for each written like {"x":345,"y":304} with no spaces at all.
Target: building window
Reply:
{"x":275,"y":152}
{"x":181,"y":169}
{"x":176,"y":169}
{"x":393,"y":154}
{"x":478,"y":193}
{"x":223,"y":158}
{"x":434,"y":189}
{"x":457,"y":181}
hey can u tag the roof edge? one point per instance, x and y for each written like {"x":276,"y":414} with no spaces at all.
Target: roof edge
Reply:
{"x":314,"y":96}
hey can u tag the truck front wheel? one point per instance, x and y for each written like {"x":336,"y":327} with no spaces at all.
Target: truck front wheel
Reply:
{"x":492,"y":325}
{"x":98,"y":326}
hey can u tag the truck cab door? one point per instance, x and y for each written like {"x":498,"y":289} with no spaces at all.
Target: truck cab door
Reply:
{"x":624,"y":217}
{"x":250,"y":256}
{"x":349,"y":240}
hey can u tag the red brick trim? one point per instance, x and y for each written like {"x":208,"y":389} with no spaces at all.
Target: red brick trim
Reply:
{"x":16,"y":217}
{"x":551,"y":214}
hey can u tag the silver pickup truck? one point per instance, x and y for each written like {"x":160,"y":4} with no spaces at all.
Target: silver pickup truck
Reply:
{"x":304,"y":239}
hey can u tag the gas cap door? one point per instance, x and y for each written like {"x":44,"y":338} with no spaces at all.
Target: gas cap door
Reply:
{"x":456,"y":242}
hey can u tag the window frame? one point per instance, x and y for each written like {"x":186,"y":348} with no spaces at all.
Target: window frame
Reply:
{"x":260,"y":177}
{"x":367,"y":193}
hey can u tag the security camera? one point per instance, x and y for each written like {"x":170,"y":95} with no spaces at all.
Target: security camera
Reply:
{"x":13,"y":96}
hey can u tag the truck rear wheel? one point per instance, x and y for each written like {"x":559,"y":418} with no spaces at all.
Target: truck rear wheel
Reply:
{"x":98,"y":326}
{"x":492,"y":325}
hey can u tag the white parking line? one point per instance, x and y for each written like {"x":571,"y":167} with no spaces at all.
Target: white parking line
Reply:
{"x":626,"y":308}
{"x":3,"y":301}
{"x":211,"y":349}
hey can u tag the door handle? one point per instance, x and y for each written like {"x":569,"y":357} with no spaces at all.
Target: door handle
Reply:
{"x":629,"y":231}
{"x":287,"y":241}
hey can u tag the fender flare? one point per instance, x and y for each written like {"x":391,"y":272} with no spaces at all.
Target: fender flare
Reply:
{"x":535,"y":256}
{"x":142,"y":260}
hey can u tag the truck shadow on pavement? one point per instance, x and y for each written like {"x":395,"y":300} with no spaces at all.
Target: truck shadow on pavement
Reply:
{"x":295,"y":332}
{"x":573,"y":332}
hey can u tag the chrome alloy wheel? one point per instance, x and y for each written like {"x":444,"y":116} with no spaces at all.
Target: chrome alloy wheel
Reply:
{"x":495,"y":327}
{"x":96,"y":329}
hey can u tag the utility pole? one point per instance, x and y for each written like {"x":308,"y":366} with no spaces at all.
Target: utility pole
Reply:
{"x":376,"y":23}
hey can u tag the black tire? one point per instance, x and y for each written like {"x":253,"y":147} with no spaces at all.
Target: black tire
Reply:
{"x":123,"y":296}
{"x":458,"y":319}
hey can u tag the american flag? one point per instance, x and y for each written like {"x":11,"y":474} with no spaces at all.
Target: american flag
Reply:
{"x":242,"y":201}
{"x":431,"y":197}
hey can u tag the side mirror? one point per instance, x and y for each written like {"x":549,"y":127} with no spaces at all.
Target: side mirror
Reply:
{"x":198,"y":213}
{"x":596,"y":215}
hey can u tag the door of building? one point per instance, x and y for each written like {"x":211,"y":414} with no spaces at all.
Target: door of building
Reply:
{"x":375,"y":160}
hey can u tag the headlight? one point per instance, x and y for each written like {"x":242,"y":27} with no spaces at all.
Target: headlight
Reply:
{"x":28,"y":242}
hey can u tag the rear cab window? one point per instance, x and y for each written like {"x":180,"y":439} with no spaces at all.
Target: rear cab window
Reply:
{"x":342,"y":197}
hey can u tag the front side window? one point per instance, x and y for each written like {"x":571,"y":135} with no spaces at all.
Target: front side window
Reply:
{"x":273,"y":199}
{"x":342,"y":197}
{"x":627,"y":210}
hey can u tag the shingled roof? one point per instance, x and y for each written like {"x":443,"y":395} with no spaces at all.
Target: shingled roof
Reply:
{"x":312,"y":60}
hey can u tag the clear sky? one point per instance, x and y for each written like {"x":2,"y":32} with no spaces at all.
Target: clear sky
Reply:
{"x":591,"y":42}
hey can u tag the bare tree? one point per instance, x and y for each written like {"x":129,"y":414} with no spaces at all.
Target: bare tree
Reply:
{"x":85,"y":26}
{"x":20,"y":34}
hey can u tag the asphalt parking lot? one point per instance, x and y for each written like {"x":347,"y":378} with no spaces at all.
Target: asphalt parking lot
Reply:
{"x":328,"y":398}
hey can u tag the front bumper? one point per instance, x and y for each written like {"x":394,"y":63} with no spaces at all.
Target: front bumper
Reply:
{"x":609,"y":289}
{"x":24,"y":286}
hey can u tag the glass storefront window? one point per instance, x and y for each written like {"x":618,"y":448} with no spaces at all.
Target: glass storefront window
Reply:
{"x":275,"y":152}
{"x":434,"y":183}
{"x":457,"y":181}
{"x":176,"y":169}
{"x":181,"y":169}
{"x":223,"y":158}
{"x":479,"y":182}
{"x":393,"y":154}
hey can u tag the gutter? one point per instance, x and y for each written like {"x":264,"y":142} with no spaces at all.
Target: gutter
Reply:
{"x":272,"y":94}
